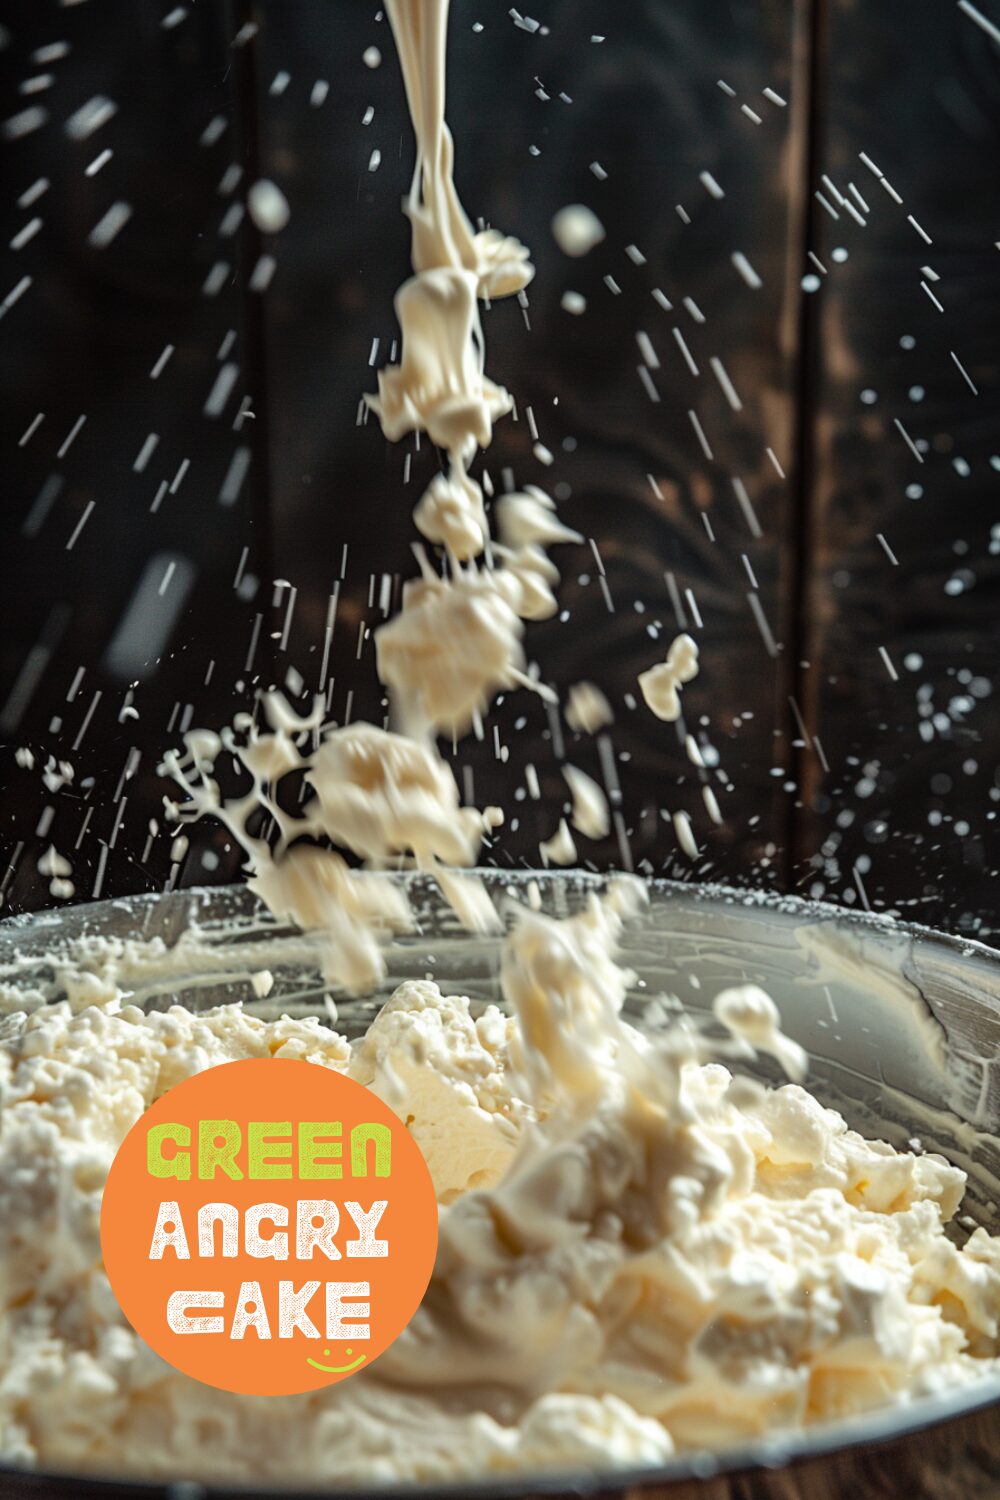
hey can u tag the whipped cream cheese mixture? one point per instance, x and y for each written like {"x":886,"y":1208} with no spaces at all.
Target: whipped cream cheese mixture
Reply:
{"x":639,"y":1252}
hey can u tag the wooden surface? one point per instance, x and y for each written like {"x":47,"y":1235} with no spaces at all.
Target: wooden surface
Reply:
{"x":917,"y":88}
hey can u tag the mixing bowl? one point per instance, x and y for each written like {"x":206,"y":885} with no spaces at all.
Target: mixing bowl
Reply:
{"x":902,"y":1025}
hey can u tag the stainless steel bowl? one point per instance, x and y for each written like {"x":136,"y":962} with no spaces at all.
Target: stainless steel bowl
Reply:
{"x":902,"y":1024}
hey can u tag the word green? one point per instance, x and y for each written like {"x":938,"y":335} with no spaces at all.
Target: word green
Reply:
{"x":264,"y":1149}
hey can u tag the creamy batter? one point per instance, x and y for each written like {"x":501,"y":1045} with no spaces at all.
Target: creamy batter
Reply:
{"x":639,"y":1252}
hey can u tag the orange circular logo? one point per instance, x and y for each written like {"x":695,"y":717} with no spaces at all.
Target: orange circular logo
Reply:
{"x":269,"y":1226}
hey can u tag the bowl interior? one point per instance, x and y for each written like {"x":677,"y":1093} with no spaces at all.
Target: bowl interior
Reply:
{"x":902,"y":1024}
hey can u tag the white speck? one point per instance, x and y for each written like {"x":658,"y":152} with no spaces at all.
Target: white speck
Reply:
{"x":32,"y":194}
{"x":231,"y":221}
{"x":909,"y":441}
{"x":90,"y":117}
{"x":54,"y":52}
{"x":263,"y":271}
{"x":746,"y":270}
{"x":216,"y":279}
{"x":577,"y":229}
{"x":230,"y":179}
{"x":700,"y":434}
{"x":888,"y":663}
{"x":235,"y":474}
{"x":766,"y":634}
{"x":215,"y":402}
{"x":161,"y":362}
{"x":711,"y":804}
{"x":573,"y":302}
{"x":88,"y":509}
{"x":371,"y":57}
{"x":922,"y":232}
{"x":746,"y":506}
{"x":100,"y":160}
{"x":15,"y":294}
{"x":70,"y":437}
{"x":106,"y":228}
{"x":27,"y":233}
{"x":31,"y":429}
{"x":936,"y":301}
{"x":25,"y":122}
{"x":993,"y":32}
{"x":214,"y":130}
{"x":964,"y":373}
{"x":267,"y":206}
{"x":683,"y":347}
{"x":728,"y":389}
{"x":710,"y":185}
{"x":685,"y":836}
{"x":647,"y":381}
{"x":649,"y":354}
{"x":145,"y":453}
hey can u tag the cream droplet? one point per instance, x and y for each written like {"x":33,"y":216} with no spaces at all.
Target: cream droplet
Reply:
{"x":268,"y":206}
{"x":577,"y":229}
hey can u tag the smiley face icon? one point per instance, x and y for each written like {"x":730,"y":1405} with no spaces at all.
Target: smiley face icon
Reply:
{"x":338,"y":1369}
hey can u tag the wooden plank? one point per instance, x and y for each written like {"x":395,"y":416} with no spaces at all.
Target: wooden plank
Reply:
{"x":902,"y":557}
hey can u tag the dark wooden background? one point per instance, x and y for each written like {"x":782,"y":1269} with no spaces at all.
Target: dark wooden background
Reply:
{"x":840,"y":773}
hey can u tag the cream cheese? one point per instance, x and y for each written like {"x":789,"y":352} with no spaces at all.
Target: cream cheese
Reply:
{"x":639,"y":1252}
